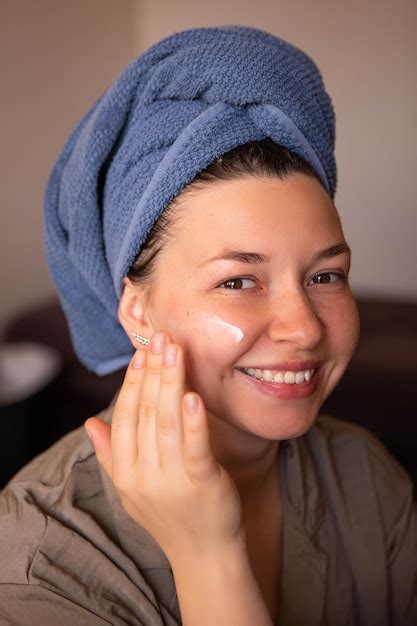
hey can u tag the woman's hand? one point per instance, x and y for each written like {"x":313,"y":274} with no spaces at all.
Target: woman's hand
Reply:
{"x":158,"y":455}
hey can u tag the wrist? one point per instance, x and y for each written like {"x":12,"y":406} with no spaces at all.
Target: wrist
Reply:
{"x":219,"y":587}
{"x":187,"y":556}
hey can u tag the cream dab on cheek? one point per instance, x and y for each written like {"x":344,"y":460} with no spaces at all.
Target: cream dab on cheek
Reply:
{"x":215,"y":325}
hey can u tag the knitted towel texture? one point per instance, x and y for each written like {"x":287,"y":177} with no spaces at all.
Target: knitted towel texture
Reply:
{"x":177,"y":107}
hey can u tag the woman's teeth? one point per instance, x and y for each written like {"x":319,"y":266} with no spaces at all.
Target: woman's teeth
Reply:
{"x":273,"y":376}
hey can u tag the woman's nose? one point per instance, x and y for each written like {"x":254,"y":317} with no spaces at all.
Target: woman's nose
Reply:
{"x":294,"y":320}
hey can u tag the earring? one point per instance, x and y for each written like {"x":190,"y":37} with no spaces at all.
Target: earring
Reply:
{"x":141,"y":339}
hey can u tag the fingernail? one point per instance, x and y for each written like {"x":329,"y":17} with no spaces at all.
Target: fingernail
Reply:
{"x":138,"y":359}
{"x":191,"y":403}
{"x":170,"y":355}
{"x":158,"y":342}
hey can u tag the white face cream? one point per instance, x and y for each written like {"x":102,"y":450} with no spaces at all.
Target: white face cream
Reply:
{"x":216,"y":325}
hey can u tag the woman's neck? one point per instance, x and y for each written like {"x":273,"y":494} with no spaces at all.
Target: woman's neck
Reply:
{"x":251,"y":461}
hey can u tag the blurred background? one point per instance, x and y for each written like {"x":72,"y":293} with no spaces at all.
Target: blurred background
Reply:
{"x":58,"y":57}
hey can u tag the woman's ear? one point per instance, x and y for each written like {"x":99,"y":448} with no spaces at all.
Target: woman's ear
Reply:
{"x":132,"y":311}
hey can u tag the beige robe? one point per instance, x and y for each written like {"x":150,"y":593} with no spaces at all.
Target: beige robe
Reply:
{"x":70,"y":555}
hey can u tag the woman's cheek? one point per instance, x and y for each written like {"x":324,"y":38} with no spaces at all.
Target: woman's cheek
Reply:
{"x":345,"y":323}
{"x":210,"y":357}
{"x":212,"y":346}
{"x":196,"y":326}
{"x":339,"y":314}
{"x":351,"y":319}
{"x":210,"y":337}
{"x":342,"y":331}
{"x":219,"y":330}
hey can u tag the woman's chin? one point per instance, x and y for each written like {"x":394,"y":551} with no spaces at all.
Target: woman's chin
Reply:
{"x":277,"y":425}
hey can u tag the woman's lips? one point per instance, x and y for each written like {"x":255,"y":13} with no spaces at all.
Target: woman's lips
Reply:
{"x":283,"y":391}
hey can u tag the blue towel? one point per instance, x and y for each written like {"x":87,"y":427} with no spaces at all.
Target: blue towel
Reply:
{"x":184,"y":102}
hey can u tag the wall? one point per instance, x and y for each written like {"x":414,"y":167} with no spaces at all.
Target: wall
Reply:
{"x":367,"y":52}
{"x":56,"y":59}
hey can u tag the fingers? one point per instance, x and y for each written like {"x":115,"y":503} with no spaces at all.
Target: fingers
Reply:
{"x":146,"y":431}
{"x":182,"y":433}
{"x":154,"y":424}
{"x":126,"y":416}
{"x":169,"y":434}
{"x":199,"y":461}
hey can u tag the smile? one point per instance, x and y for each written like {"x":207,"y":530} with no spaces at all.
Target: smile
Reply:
{"x":280,"y":377}
{"x":291,"y":387}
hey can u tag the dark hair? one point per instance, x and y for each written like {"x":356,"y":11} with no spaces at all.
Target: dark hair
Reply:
{"x":257,"y":158}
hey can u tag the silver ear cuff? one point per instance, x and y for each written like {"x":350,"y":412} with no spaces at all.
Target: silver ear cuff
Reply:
{"x":141,"y":339}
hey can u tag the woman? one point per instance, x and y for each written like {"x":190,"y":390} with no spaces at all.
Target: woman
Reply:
{"x":191,"y":217}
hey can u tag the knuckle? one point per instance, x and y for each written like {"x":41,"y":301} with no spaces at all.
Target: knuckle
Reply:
{"x":154,"y":367}
{"x":120,"y":419}
{"x":119,"y":424}
{"x":123,"y":405}
{"x":197,"y":455}
{"x":164,"y":430}
{"x":193,"y":458}
{"x":130,"y":383}
{"x":146,"y":410}
{"x":165,"y":426}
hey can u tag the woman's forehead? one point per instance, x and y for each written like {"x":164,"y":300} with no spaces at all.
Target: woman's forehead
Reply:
{"x":257,"y":209}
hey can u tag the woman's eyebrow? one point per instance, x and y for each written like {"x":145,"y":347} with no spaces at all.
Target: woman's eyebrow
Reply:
{"x":335,"y":250}
{"x":241,"y":256}
{"x":256,"y":258}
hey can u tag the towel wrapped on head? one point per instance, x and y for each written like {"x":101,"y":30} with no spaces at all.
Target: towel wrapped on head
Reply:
{"x":187,"y":100}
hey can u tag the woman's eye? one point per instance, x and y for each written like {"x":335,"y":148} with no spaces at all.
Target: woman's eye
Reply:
{"x":237,"y":283}
{"x":325,"y":278}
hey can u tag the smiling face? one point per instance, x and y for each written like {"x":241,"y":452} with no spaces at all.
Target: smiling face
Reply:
{"x":279,"y":305}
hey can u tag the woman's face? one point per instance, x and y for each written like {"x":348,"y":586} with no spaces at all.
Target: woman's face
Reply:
{"x":239,"y":287}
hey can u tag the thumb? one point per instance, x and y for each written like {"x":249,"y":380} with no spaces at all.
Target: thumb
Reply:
{"x":100,"y":435}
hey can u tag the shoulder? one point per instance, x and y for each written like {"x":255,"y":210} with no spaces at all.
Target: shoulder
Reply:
{"x":51,"y":488}
{"x":348,"y":441}
{"x":63,"y":546}
{"x":358,"y":463}
{"x":369,"y":498}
